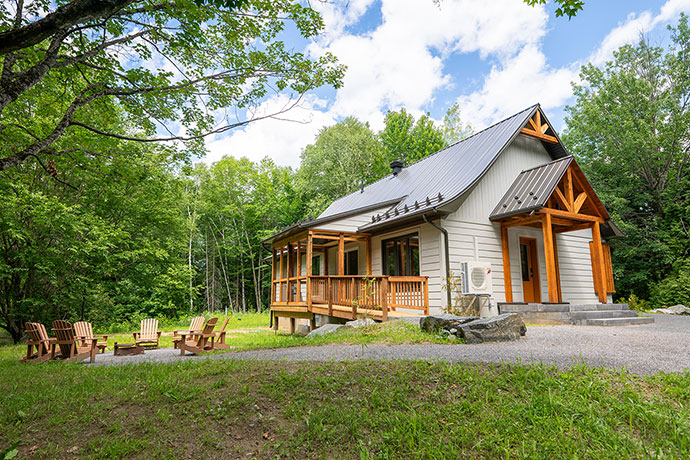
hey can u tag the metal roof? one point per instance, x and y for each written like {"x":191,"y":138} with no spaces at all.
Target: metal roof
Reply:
{"x":439,"y":178}
{"x":531,"y":189}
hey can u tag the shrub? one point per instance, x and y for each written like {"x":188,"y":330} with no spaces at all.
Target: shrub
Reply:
{"x":672,"y":290}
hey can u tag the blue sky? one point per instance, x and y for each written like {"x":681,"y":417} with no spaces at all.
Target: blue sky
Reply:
{"x":492,"y":57}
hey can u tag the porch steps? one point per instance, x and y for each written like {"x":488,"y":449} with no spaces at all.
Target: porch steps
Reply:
{"x":581,"y":315}
{"x":634,"y":320}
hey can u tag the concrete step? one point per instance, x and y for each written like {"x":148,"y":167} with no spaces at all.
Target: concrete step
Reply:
{"x":599,"y":306}
{"x":534,"y":307}
{"x":596,"y":314}
{"x":630,"y":321}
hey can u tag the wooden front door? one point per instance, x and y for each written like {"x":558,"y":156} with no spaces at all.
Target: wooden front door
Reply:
{"x":529,"y":270}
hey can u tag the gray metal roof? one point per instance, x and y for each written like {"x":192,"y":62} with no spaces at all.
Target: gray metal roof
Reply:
{"x":440,"y":177}
{"x":531,"y":189}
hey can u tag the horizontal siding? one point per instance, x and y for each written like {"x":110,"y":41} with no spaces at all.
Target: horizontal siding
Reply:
{"x":575,"y":265}
{"x":351,"y":223}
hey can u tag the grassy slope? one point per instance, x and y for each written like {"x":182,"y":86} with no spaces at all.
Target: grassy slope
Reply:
{"x":401,"y":410}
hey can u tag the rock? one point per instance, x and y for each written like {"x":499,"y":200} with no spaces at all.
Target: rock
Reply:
{"x":501,"y":328}
{"x":433,"y":323}
{"x":445,"y":333}
{"x":453,"y":331}
{"x":325,"y":329}
{"x":674,"y":310}
{"x":364,"y":322}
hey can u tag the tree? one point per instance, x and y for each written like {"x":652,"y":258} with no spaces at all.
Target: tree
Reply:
{"x":344,"y":156}
{"x":453,"y":128}
{"x":630,"y":126}
{"x":567,"y":7}
{"x":404,"y":139}
{"x":205,"y":65}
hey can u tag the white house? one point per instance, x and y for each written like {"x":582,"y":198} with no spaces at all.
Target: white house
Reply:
{"x":507,"y":200}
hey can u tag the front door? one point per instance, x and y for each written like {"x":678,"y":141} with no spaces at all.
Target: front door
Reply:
{"x":529,"y":270}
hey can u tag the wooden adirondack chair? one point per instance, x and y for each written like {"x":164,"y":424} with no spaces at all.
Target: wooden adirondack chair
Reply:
{"x":85,"y":334}
{"x":149,"y":335}
{"x":195,"y":327}
{"x":38,"y":338}
{"x":220,"y":335}
{"x":70,"y":348}
{"x":198,"y":343}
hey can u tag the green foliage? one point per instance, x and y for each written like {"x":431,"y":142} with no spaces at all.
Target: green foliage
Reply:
{"x":409,"y":141}
{"x":629,"y":130}
{"x":635,"y":303}
{"x":673,"y":289}
{"x":568,"y":8}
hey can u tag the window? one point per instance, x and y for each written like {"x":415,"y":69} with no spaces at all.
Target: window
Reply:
{"x":351,"y":263}
{"x":401,"y":256}
{"x":316,"y":265}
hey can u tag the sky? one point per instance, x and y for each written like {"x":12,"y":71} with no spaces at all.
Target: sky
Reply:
{"x":493,"y":57}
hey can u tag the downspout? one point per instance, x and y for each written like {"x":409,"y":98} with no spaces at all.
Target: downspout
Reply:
{"x":447,"y":253}
{"x":263,"y":245}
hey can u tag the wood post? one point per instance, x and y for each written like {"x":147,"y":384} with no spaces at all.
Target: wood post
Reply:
{"x":599,"y":263}
{"x":550,"y":258}
{"x":299,"y":271}
{"x":507,"y":280}
{"x":310,"y":255}
{"x":426,"y":296}
{"x":341,"y":255}
{"x":369,"y":256}
{"x":384,"y":298}
{"x":282,"y":276}
{"x":289,"y":272}
{"x":329,"y":298}
{"x":273,"y":275}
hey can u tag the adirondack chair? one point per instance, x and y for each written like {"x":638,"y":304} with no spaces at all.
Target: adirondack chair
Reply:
{"x":195,"y":327}
{"x":70,"y":349}
{"x":149,"y":335}
{"x":38,"y":338}
{"x":85,"y":333}
{"x":198,"y":343}
{"x":220,"y":335}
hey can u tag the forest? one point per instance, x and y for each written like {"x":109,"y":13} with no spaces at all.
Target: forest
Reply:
{"x":105,"y":217}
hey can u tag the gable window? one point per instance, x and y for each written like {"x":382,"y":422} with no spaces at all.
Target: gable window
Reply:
{"x":401,"y":256}
{"x":352,"y":263}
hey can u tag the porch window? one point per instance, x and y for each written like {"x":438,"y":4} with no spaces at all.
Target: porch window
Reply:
{"x":316,"y":265}
{"x":401,"y":256}
{"x":352,"y":263}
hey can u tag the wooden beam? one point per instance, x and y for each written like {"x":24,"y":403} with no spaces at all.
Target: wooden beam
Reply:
{"x":507,"y":281}
{"x":537,"y":120}
{"x":573,"y":228}
{"x":571,"y":215}
{"x":310,"y":255}
{"x":599,"y":262}
{"x":290,"y":239}
{"x":563,"y":200}
{"x":550,"y":257}
{"x":521,"y":221}
{"x":568,"y":182}
{"x":341,"y":255}
{"x":540,"y":136}
{"x":368,"y":243}
{"x":579,"y":201}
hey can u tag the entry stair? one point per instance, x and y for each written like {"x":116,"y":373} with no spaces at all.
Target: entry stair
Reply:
{"x":600,"y":314}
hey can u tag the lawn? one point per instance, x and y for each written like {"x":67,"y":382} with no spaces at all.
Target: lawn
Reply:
{"x":387,"y":410}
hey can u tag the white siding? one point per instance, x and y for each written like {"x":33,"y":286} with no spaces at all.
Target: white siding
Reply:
{"x":351,"y":223}
{"x":470,"y":226}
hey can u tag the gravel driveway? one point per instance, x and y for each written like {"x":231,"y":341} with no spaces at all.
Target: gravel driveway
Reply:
{"x":645,"y":349}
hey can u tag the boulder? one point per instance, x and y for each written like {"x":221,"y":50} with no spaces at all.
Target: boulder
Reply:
{"x":363,"y":322}
{"x":325,"y":329}
{"x":501,"y":328}
{"x":434,"y":323}
{"x":674,"y":310}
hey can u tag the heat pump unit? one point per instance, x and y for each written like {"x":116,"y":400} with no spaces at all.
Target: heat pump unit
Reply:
{"x":476,"y":278}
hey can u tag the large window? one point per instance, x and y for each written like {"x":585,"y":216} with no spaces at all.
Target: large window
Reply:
{"x":401,"y":256}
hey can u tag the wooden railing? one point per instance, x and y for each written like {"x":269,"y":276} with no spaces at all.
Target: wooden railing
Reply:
{"x":357,"y":293}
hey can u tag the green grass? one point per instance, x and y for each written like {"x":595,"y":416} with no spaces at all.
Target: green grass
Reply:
{"x":362,"y":409}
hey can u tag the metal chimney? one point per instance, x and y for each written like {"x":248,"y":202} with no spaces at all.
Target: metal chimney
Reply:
{"x":397,"y":166}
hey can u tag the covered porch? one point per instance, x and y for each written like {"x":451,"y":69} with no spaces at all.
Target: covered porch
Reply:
{"x":303,"y":287}
{"x":555,"y":198}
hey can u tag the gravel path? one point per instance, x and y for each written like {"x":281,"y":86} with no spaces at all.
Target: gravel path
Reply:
{"x":645,"y":349}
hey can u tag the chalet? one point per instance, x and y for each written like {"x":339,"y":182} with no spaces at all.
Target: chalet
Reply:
{"x":507,"y":210}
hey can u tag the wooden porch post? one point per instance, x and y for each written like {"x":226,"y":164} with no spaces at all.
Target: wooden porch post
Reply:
{"x":341,"y":255}
{"x":289,"y":271}
{"x":310,"y":249}
{"x":273,"y":275}
{"x":282,"y":276}
{"x":507,"y":280}
{"x":384,"y":298}
{"x":551,"y":274}
{"x":299,"y":271}
{"x":599,"y":263}
{"x":369,"y":256}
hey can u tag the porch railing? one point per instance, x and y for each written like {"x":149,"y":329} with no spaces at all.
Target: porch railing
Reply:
{"x":357,"y":293}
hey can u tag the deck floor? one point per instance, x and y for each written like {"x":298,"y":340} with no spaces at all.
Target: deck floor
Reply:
{"x":340,"y":311}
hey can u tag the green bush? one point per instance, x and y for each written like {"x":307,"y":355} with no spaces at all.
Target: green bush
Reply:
{"x":635,"y":303}
{"x":672,"y":290}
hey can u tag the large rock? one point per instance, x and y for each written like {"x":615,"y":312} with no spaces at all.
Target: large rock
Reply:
{"x":325,"y":329}
{"x":363,"y":322}
{"x":674,"y":310}
{"x":501,"y":328}
{"x":434,"y":323}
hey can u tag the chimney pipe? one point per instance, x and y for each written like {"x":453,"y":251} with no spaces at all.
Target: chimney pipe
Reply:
{"x":397,"y":166}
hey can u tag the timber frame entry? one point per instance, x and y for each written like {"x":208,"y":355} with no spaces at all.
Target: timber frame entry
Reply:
{"x":570,"y":205}
{"x":298,"y":295}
